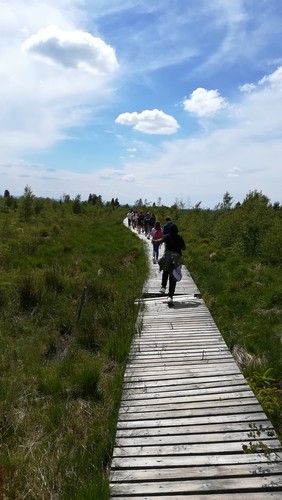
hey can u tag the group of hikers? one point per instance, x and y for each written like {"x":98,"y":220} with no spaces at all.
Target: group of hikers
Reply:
{"x":170,"y":263}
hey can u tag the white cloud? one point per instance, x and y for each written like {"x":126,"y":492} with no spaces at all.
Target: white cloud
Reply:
{"x":204,"y":102}
{"x":274,"y":79}
{"x":233,"y":172}
{"x":72,"y":49}
{"x":116,"y":175}
{"x":40,"y":102}
{"x":151,"y":121}
{"x":247,"y":87}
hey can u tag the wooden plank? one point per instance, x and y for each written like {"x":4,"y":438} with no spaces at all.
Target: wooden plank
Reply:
{"x":197,"y":371}
{"x":132,"y":405}
{"x":238,"y":416}
{"x":185,"y":403}
{"x":180,"y":473}
{"x":193,"y":429}
{"x":175,"y":461}
{"x":183,"y":439}
{"x":157,"y":384}
{"x":266,"y":495}
{"x":206,"y":384}
{"x":184,"y":354}
{"x":206,"y":484}
{"x":183,"y":449}
{"x":222,"y":407}
{"x":136,"y":398}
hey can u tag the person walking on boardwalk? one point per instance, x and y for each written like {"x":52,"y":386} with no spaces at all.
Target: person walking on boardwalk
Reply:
{"x":167,"y":225}
{"x":171,"y":261}
{"x":157,"y":234}
{"x":129,"y":217}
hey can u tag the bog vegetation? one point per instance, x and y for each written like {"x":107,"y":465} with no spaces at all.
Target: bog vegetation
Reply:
{"x":70,"y":273}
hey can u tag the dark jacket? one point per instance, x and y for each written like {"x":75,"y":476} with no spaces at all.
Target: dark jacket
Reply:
{"x":174,"y":242}
{"x":169,"y":261}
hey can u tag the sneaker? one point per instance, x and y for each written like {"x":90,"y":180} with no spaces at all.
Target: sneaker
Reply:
{"x":170,"y":302}
{"x":154,"y":260}
{"x":162,"y":290}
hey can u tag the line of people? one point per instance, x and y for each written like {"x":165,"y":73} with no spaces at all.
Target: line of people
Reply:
{"x":171,"y":261}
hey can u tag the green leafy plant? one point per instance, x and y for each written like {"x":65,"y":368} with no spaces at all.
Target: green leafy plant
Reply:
{"x":268,"y":395}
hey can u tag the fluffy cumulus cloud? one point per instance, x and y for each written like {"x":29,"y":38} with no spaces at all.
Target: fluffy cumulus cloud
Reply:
{"x":151,"y":121}
{"x":72,"y":49}
{"x":274,"y":79}
{"x":54,"y":78}
{"x":204,"y":102}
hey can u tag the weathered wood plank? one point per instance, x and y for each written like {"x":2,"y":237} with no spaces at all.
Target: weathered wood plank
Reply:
{"x":266,"y":495}
{"x":193,"y":460}
{"x":196,"y":371}
{"x":183,"y":439}
{"x":185,"y":403}
{"x":132,"y":405}
{"x":238,"y":416}
{"x":222,"y":408}
{"x":198,"y":385}
{"x":202,"y":429}
{"x":206,"y":484}
{"x":157,"y":384}
{"x":173,"y":473}
{"x":138,"y":398}
{"x":183,"y":449}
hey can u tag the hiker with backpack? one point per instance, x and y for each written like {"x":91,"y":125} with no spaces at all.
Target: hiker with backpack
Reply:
{"x":167,"y":225}
{"x":171,"y":261}
{"x":157,"y":234}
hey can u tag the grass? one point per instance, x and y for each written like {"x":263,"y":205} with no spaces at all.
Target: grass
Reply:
{"x":62,"y":375}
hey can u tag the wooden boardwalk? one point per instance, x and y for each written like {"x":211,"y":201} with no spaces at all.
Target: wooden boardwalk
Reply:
{"x":187,"y":410}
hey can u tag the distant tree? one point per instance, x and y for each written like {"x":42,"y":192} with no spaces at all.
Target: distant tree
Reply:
{"x":26,"y":204}
{"x":255,"y":198}
{"x":116,"y":202}
{"x":197,"y":206}
{"x":276,"y":205}
{"x":181,"y":204}
{"x":66,"y":198}
{"x":246,"y":227}
{"x":95,"y":199}
{"x":178,"y":203}
{"x":138,"y":204}
{"x":227,"y":201}
{"x":8,"y":199}
{"x":76,"y":207}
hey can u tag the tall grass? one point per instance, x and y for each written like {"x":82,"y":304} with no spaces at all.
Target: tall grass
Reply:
{"x":61,"y":374}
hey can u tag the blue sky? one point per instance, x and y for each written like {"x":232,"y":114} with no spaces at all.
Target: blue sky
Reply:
{"x":160,"y":99}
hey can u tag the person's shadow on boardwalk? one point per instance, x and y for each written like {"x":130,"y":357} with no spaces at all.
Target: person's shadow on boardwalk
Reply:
{"x":185,"y":304}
